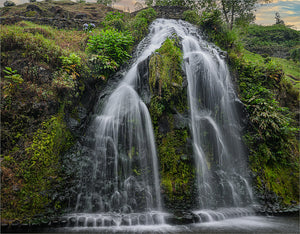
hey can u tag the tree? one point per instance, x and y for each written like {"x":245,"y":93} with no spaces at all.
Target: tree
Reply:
{"x":238,"y":11}
{"x":233,"y":11}
{"x":278,"y":19}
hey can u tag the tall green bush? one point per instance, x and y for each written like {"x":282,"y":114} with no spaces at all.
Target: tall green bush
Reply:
{"x":111,"y":43}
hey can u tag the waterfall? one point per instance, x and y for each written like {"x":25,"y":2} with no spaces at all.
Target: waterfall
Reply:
{"x":119,"y":182}
{"x":219,"y":153}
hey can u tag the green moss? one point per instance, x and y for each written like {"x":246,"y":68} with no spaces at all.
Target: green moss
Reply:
{"x":177,"y":170}
{"x":165,"y":70}
{"x":28,"y":182}
{"x":140,"y":23}
{"x":282,"y":182}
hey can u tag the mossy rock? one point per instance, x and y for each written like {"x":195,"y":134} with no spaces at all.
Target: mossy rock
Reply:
{"x":168,"y":107}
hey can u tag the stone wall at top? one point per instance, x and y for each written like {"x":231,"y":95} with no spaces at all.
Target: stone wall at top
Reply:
{"x":167,"y":12}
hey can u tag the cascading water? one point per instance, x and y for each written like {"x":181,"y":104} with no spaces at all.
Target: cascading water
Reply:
{"x":119,"y":177}
{"x":218,"y":148}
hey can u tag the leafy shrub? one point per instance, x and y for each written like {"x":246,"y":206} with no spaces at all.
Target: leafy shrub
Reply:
{"x":71,"y":64}
{"x":72,"y":59}
{"x":117,"y":24}
{"x":13,"y":80}
{"x":32,"y":0}
{"x":114,"y":20}
{"x":140,"y":28}
{"x":111,"y":43}
{"x":114,"y":15}
{"x":211,"y":20}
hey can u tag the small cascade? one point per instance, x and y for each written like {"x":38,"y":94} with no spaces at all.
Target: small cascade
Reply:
{"x":222,"y":214}
{"x":104,"y":220}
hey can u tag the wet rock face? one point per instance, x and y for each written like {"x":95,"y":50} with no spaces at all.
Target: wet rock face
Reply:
{"x":143,"y":87}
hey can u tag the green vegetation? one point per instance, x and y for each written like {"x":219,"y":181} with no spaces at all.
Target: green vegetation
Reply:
{"x":272,"y":130}
{"x":29,"y":180}
{"x":233,"y":12}
{"x":290,"y":68}
{"x":139,"y":25}
{"x":168,"y":78}
{"x":191,"y":16}
{"x":111,"y":45}
{"x":115,"y":20}
{"x":34,"y":45}
{"x":276,"y":40}
{"x":66,"y":9}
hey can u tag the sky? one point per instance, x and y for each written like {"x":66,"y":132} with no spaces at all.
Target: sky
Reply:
{"x":289,"y":10}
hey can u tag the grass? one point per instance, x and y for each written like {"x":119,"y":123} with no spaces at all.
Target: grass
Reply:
{"x":69,"y":40}
{"x":291,"y":69}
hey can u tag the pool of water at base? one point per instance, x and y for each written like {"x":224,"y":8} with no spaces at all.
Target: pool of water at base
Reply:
{"x":252,"y":224}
